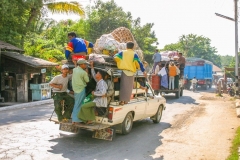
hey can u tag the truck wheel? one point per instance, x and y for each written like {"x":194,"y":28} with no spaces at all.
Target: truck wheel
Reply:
{"x":181,"y":92}
{"x":127,"y":123}
{"x":177,"y":94}
{"x":156,"y":92}
{"x":157,"y":117}
{"x":205,"y":87}
{"x":210,"y":85}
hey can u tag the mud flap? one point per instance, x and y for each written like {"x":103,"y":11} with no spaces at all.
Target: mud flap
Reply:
{"x":68,"y":128}
{"x":105,"y":134}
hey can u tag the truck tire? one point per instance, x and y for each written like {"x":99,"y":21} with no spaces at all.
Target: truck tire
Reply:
{"x":205,"y":87}
{"x":157,"y":117}
{"x":177,"y":94}
{"x":181,"y":92}
{"x":127,"y":123}
{"x":210,"y":85}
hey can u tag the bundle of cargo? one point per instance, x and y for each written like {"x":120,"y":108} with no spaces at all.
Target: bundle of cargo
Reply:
{"x":114,"y":42}
{"x":169,"y":55}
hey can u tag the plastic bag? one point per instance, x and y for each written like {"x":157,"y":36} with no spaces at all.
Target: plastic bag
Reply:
{"x":89,"y":98}
{"x":96,"y":57}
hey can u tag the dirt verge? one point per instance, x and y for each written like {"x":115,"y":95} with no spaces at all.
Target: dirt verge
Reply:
{"x":204,"y":132}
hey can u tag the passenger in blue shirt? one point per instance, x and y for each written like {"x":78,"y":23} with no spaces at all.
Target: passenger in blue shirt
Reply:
{"x":156,"y":59}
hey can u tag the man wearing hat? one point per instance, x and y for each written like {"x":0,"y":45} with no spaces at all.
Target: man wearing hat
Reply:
{"x":79,"y":82}
{"x":59,"y":84}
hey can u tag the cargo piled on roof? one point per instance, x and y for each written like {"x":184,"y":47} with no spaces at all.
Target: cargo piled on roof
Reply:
{"x":114,"y":42}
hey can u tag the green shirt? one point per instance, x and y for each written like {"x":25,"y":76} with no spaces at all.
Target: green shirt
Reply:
{"x":79,"y":79}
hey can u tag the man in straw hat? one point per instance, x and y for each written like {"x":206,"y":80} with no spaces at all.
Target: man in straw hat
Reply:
{"x":79,"y":82}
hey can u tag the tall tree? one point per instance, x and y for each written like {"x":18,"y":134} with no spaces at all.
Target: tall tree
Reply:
{"x":106,"y":17}
{"x":144,"y":36}
{"x":20,"y":16}
{"x":196,"y":46}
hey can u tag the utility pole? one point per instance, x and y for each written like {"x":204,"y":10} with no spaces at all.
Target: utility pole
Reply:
{"x":236,"y":44}
{"x":235,"y":19}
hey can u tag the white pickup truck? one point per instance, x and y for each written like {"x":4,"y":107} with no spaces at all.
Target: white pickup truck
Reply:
{"x":120,"y":118}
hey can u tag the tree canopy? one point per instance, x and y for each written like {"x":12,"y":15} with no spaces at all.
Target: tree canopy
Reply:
{"x":20,"y":16}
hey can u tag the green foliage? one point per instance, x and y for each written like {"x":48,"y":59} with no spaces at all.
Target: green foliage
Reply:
{"x":231,"y":63}
{"x":39,"y":47}
{"x":12,"y":21}
{"x":235,"y":144}
{"x":172,"y":47}
{"x":20,"y":16}
{"x":82,"y":28}
{"x":106,"y":17}
{"x":144,"y":36}
{"x":226,"y":59}
{"x":196,"y":46}
{"x":148,"y":58}
{"x":47,"y":49}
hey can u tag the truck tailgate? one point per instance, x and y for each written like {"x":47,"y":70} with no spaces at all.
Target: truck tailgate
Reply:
{"x":69,"y":127}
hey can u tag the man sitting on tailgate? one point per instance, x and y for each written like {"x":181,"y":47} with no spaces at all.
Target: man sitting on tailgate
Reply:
{"x":109,"y":93}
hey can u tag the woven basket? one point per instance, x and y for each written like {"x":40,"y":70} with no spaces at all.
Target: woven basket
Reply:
{"x":124,"y":35}
{"x":116,"y":41}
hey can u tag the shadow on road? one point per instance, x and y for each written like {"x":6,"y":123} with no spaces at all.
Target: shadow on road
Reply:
{"x":139,"y":144}
{"x":183,"y":100}
{"x":23,"y":115}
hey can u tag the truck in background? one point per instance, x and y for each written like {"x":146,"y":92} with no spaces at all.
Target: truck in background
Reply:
{"x":200,"y":69}
{"x":156,"y":84}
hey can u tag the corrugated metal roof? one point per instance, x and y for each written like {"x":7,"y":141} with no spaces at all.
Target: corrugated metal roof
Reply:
{"x":7,"y":46}
{"x":28,"y":60}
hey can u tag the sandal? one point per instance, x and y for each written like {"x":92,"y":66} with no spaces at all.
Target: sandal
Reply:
{"x":90,"y":123}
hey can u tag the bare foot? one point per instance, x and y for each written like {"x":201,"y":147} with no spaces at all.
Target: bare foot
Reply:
{"x":73,"y":123}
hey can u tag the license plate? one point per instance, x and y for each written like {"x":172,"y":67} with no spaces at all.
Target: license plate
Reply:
{"x":68,"y":128}
{"x":106,"y":134}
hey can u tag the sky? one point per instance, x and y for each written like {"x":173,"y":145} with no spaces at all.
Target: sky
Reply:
{"x":173,"y":18}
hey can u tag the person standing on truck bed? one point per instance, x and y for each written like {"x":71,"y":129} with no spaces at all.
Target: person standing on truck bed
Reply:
{"x":176,"y":78}
{"x":59,"y":84}
{"x":128,"y":62}
{"x":79,"y":82}
{"x":182,"y":62}
{"x":158,"y":68}
{"x":156,"y":59}
{"x":172,"y":73}
{"x":87,"y":113}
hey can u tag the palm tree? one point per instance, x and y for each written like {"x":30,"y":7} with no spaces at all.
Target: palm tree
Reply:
{"x":39,"y":7}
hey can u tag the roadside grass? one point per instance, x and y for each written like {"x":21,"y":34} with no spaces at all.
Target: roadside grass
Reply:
{"x":235,"y":144}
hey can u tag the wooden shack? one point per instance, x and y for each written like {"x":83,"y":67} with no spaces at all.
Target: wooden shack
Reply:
{"x":17,"y":71}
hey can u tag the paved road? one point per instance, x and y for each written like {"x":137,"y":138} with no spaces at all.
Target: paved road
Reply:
{"x":27,"y":134}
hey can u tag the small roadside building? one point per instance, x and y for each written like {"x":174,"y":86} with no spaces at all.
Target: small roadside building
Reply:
{"x":18,"y":71}
{"x":217,"y":70}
